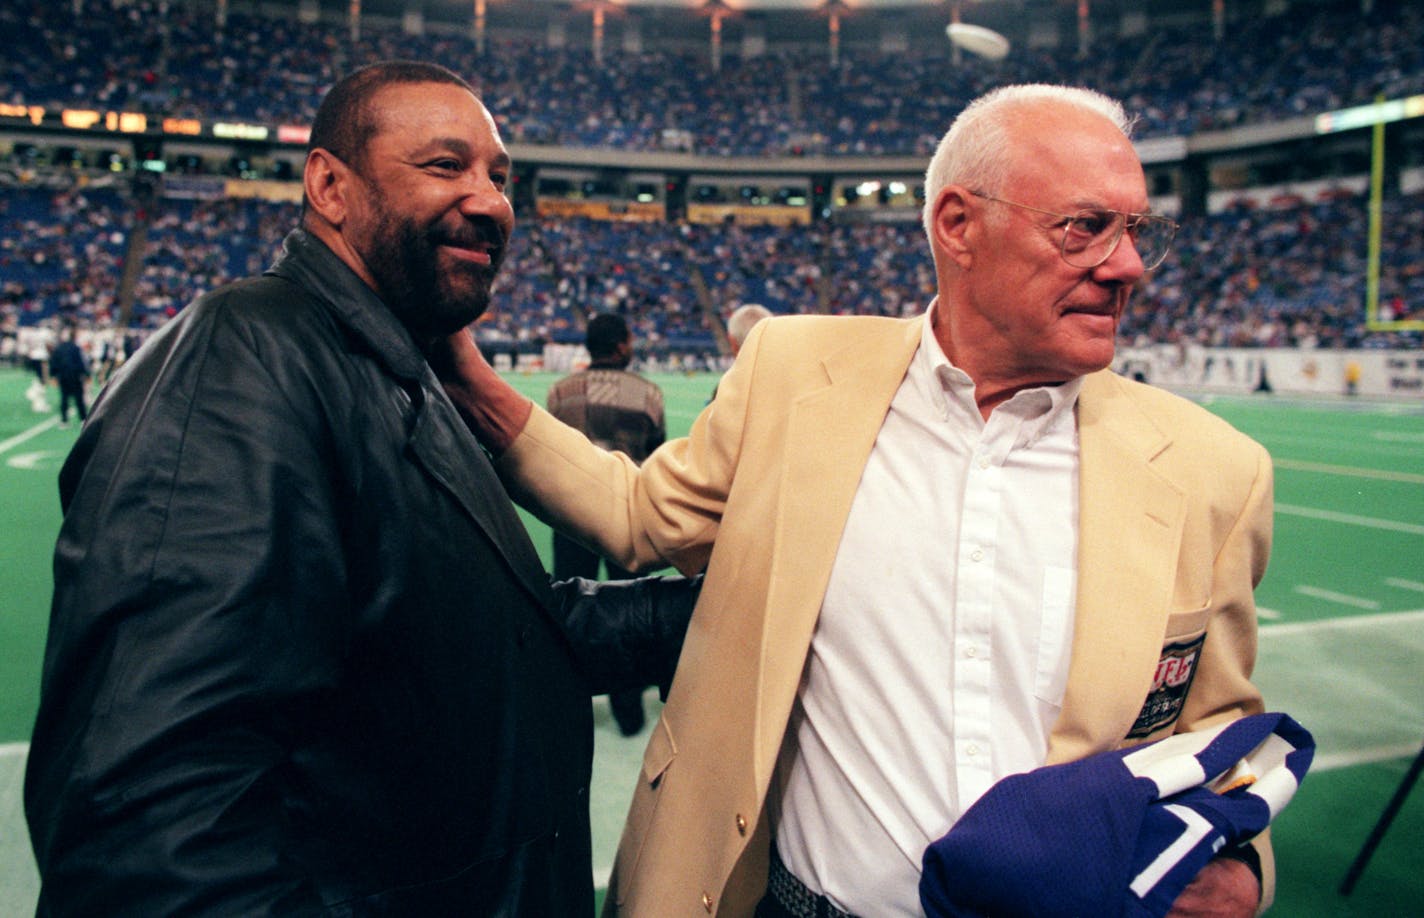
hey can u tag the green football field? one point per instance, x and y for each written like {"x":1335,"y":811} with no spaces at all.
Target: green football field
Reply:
{"x":1342,"y":633}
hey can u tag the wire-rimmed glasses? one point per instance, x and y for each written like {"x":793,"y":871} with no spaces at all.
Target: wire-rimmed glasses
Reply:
{"x":1091,"y":235}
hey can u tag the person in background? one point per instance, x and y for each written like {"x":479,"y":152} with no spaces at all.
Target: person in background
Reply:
{"x":69,"y":368}
{"x":740,"y":322}
{"x":939,"y":550}
{"x":1353,"y":372}
{"x":739,"y":325}
{"x":35,"y":342}
{"x":617,"y":409}
{"x":302,"y":656}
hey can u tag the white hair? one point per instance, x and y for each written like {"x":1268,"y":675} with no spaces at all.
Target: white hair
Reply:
{"x":740,"y":323}
{"x":972,"y":151}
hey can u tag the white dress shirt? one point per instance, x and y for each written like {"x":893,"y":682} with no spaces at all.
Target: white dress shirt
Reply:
{"x":939,"y":660}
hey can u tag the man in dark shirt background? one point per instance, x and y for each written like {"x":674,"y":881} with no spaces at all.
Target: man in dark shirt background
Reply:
{"x":69,"y":367}
{"x":618,"y":410}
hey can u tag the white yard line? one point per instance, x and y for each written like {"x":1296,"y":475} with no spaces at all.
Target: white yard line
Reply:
{"x":17,"y":439}
{"x":1405,"y":584}
{"x":16,"y":750}
{"x":1352,"y":519}
{"x":1333,"y":760}
{"x":1349,"y":471}
{"x":1348,"y":623}
{"x":1343,"y":599}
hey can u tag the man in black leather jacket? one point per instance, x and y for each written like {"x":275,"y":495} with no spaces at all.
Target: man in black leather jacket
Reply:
{"x":303,"y":658}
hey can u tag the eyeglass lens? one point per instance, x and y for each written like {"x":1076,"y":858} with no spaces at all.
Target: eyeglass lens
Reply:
{"x":1091,"y":237}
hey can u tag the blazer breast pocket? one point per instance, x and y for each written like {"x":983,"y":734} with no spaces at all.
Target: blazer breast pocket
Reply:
{"x":1189,"y":623}
{"x":1176,"y":668}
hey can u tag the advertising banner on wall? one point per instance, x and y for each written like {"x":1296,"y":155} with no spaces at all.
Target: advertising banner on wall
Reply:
{"x":1374,"y":374}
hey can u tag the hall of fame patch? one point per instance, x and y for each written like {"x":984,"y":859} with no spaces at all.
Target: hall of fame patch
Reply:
{"x":1175,"y":671}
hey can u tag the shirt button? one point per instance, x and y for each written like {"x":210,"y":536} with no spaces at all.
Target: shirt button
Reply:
{"x":972,"y":749}
{"x":983,"y":462}
{"x":977,"y":554}
{"x":971,"y":651}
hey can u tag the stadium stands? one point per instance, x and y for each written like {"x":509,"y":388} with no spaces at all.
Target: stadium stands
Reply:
{"x":785,"y":102}
{"x":1246,"y":277}
{"x":1249,"y":275}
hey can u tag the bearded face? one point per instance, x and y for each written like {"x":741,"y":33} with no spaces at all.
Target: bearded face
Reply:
{"x":436,"y":275}
{"x":422,"y":209}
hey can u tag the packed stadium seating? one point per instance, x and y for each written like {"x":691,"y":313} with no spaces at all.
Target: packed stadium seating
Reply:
{"x":1293,"y":276}
{"x":1179,"y":80}
{"x":62,"y":253}
{"x":1246,"y":277}
{"x":1289,"y":274}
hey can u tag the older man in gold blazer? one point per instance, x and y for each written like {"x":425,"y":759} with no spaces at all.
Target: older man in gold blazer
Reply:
{"x":834,"y":517}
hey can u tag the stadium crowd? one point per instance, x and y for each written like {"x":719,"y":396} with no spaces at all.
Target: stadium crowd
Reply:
{"x":1179,"y":80}
{"x":1284,"y":275}
{"x":1287,"y":276}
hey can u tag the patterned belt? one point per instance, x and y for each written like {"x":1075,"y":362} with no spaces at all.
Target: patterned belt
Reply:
{"x":793,"y":896}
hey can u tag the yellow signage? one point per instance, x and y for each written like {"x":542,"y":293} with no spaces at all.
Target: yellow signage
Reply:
{"x":33,"y":112}
{"x":750,"y":214}
{"x":126,"y":122}
{"x":78,"y":118}
{"x":601,"y":210}
{"x":190,"y":126}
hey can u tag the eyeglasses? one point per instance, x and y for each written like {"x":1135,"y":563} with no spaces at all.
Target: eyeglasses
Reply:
{"x":1091,"y":235}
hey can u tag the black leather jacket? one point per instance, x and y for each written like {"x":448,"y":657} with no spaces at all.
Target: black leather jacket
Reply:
{"x":303,"y":658}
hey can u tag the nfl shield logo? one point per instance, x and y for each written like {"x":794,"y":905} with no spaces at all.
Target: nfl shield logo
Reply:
{"x":1175,"y":671}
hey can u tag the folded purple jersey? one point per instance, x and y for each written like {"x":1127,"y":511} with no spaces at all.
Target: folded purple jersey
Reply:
{"x":1121,"y":833}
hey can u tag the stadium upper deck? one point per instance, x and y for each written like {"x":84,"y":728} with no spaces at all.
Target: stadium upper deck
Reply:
{"x":1288,"y":274}
{"x":889,"y":92}
{"x":1286,"y":277}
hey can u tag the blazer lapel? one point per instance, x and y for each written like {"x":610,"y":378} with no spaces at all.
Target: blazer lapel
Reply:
{"x":830,"y":431}
{"x":1129,"y":529}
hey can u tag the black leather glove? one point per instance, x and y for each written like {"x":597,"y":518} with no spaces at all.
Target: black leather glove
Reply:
{"x":627,"y":633}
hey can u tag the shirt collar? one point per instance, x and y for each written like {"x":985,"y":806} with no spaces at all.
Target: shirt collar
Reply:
{"x":951,"y":390}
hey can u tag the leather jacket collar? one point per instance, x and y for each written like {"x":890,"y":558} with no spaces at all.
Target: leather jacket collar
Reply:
{"x":310,"y":263}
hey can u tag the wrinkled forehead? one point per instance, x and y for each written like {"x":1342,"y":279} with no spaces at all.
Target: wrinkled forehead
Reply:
{"x":1075,"y":157}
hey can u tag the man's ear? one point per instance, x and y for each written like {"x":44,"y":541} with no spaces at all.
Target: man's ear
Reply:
{"x":325,"y":181}
{"x":951,"y":227}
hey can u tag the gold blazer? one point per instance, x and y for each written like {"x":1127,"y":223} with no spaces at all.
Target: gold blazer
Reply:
{"x":1174,"y":532}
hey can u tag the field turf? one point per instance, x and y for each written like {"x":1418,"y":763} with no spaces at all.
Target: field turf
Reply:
{"x":1342,"y":633}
